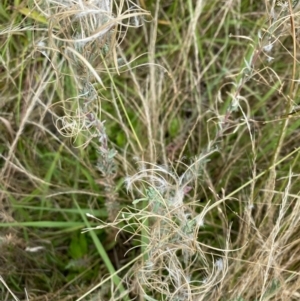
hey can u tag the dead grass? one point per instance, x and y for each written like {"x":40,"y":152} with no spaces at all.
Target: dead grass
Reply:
{"x":176,"y":134}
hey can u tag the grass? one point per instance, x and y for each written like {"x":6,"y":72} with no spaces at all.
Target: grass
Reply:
{"x":150,"y":151}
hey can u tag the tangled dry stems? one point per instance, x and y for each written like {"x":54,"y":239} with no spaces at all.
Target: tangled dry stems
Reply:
{"x":168,"y":217}
{"x":172,"y":229}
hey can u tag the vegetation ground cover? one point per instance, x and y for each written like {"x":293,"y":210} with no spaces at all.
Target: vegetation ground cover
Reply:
{"x":149,"y":150}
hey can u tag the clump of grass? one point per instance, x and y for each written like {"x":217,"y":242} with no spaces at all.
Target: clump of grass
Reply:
{"x":175,"y":264}
{"x":206,"y":151}
{"x":75,"y":32}
{"x":88,"y":35}
{"x":172,"y":224}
